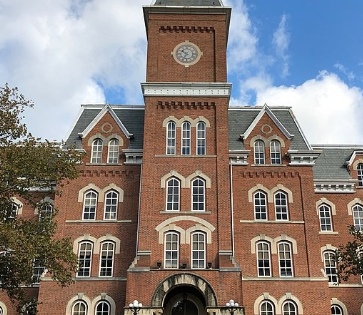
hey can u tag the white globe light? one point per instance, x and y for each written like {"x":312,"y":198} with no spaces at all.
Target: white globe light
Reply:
{"x":140,"y":305}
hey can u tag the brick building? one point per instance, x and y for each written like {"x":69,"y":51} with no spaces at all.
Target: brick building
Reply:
{"x":185,"y":203}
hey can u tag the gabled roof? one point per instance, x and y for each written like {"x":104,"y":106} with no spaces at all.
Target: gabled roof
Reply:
{"x":266,"y":110}
{"x":188,"y":3}
{"x":242,"y":119}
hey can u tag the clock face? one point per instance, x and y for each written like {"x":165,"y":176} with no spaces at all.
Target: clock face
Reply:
{"x":186,"y":53}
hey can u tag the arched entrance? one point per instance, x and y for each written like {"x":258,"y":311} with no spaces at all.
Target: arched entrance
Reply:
{"x":184,"y":294}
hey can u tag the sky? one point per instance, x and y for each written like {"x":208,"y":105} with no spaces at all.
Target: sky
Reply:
{"x":306,"y":54}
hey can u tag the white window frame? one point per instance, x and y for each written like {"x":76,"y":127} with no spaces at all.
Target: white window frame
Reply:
{"x":275,"y":152}
{"x":186,"y":138}
{"x":289,"y":311}
{"x":325,"y":218}
{"x":330,"y":266}
{"x":38,"y":270}
{"x":96,"y":152}
{"x":281,"y":206}
{"x":78,"y":312}
{"x":113,"y":151}
{"x":198,"y":194}
{"x":198,"y":250}
{"x":111,"y":205}
{"x":260,"y":205}
{"x":173,"y":194}
{"x":285,"y":259}
{"x":85,"y":255}
{"x":90,"y":205}
{"x":360,"y":174}
{"x":357,"y":211}
{"x":201,"y":138}
{"x":259,"y":152}
{"x":171,"y":138}
{"x":103,"y":311}
{"x":263,"y":256}
{"x":171,"y":250}
{"x":107,"y":257}
{"x":335,"y":308}
{"x":45,"y":211}
{"x":267,"y":311}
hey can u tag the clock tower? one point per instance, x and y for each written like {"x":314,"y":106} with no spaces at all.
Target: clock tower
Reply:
{"x":185,"y":256}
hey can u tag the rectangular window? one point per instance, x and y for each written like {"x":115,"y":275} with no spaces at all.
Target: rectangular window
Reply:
{"x":38,"y":270}
{"x":106,"y":264}
{"x":84,"y":259}
{"x":198,"y":251}
{"x":263,"y":260}
{"x":285,"y":260}
{"x":171,"y":250}
{"x":259,"y":148}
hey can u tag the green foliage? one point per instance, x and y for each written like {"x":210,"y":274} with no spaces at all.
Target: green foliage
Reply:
{"x":349,"y":257}
{"x":30,"y":170}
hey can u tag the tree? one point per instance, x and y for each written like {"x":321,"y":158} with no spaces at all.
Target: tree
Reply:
{"x":349,"y":257}
{"x":30,"y":170}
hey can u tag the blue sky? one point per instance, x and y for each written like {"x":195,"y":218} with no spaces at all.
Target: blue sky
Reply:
{"x":306,"y":54}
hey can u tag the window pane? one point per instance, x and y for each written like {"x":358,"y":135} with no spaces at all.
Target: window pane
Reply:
{"x":89,"y":207}
{"x":330,"y":267}
{"x":170,"y":138}
{"x":325,"y":218}
{"x":285,"y":259}
{"x":186,"y":136}
{"x":171,"y":250}
{"x":103,"y":308}
{"x":84,"y":259}
{"x":198,"y":195}
{"x":266,"y":308}
{"x":259,"y":152}
{"x":96,"y":154}
{"x":260,"y":206}
{"x":113,"y":151}
{"x":111,"y":203}
{"x":201,"y":138}
{"x":336,"y":310}
{"x":198,"y":250}
{"x":281,"y":206}
{"x":172,"y":195}
{"x":106,"y":263}
{"x":289,"y":308}
{"x":263,"y":260}
{"x":79,"y":308}
{"x":275,"y":151}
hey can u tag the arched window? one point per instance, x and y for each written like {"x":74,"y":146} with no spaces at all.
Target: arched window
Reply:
{"x":1,"y":311}
{"x":172,"y":194}
{"x":325,"y":218}
{"x":111,"y":203}
{"x":170,"y":137}
{"x":285,"y":259}
{"x":275,"y":152}
{"x":289,"y":308}
{"x":89,"y":205}
{"x":259,"y":149}
{"x":360,"y":174}
{"x":281,"y":210}
{"x":171,"y":250}
{"x":103,"y":308}
{"x":186,"y":136}
{"x":113,"y":151}
{"x":263,"y":259}
{"x":336,"y":310}
{"x":358,"y":217}
{"x":201,"y":138}
{"x":260,"y":205}
{"x":330,"y":266}
{"x":46,"y":211}
{"x":198,"y":250}
{"x":96,"y":154}
{"x":267,"y":308}
{"x":85,"y":250}
{"x":198,"y":195}
{"x":79,"y":308}
{"x":106,"y":259}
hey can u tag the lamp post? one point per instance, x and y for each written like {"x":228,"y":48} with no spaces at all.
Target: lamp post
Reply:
{"x":135,"y":307}
{"x":232,"y":306}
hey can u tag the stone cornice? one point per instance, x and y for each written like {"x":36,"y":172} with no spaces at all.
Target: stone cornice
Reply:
{"x":342,"y":186}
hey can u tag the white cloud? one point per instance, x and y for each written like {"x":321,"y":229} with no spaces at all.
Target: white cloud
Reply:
{"x":350,"y":75}
{"x":61,"y":53}
{"x":281,"y":41}
{"x":328,"y":110}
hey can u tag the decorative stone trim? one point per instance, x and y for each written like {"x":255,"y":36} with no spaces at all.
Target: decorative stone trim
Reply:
{"x":334,"y":186}
{"x":303,"y":158}
{"x":239,"y":157}
{"x":133,"y":156}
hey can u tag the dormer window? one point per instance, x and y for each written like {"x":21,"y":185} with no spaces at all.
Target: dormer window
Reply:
{"x":275,"y":152}
{"x":360,"y":174}
{"x":96,"y":154}
{"x":259,"y":148}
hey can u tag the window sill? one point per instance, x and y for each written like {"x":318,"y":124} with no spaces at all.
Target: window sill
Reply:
{"x":103,"y":164}
{"x":328,"y":233}
{"x":271,"y":222}
{"x":99,"y":221}
{"x":184,"y":212}
{"x":273,"y":165}
{"x":185,"y":156}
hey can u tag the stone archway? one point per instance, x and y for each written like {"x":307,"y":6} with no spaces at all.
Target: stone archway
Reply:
{"x":191,"y":284}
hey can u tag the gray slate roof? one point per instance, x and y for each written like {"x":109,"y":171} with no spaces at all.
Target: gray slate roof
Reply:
{"x":188,"y":3}
{"x":240,"y":118}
